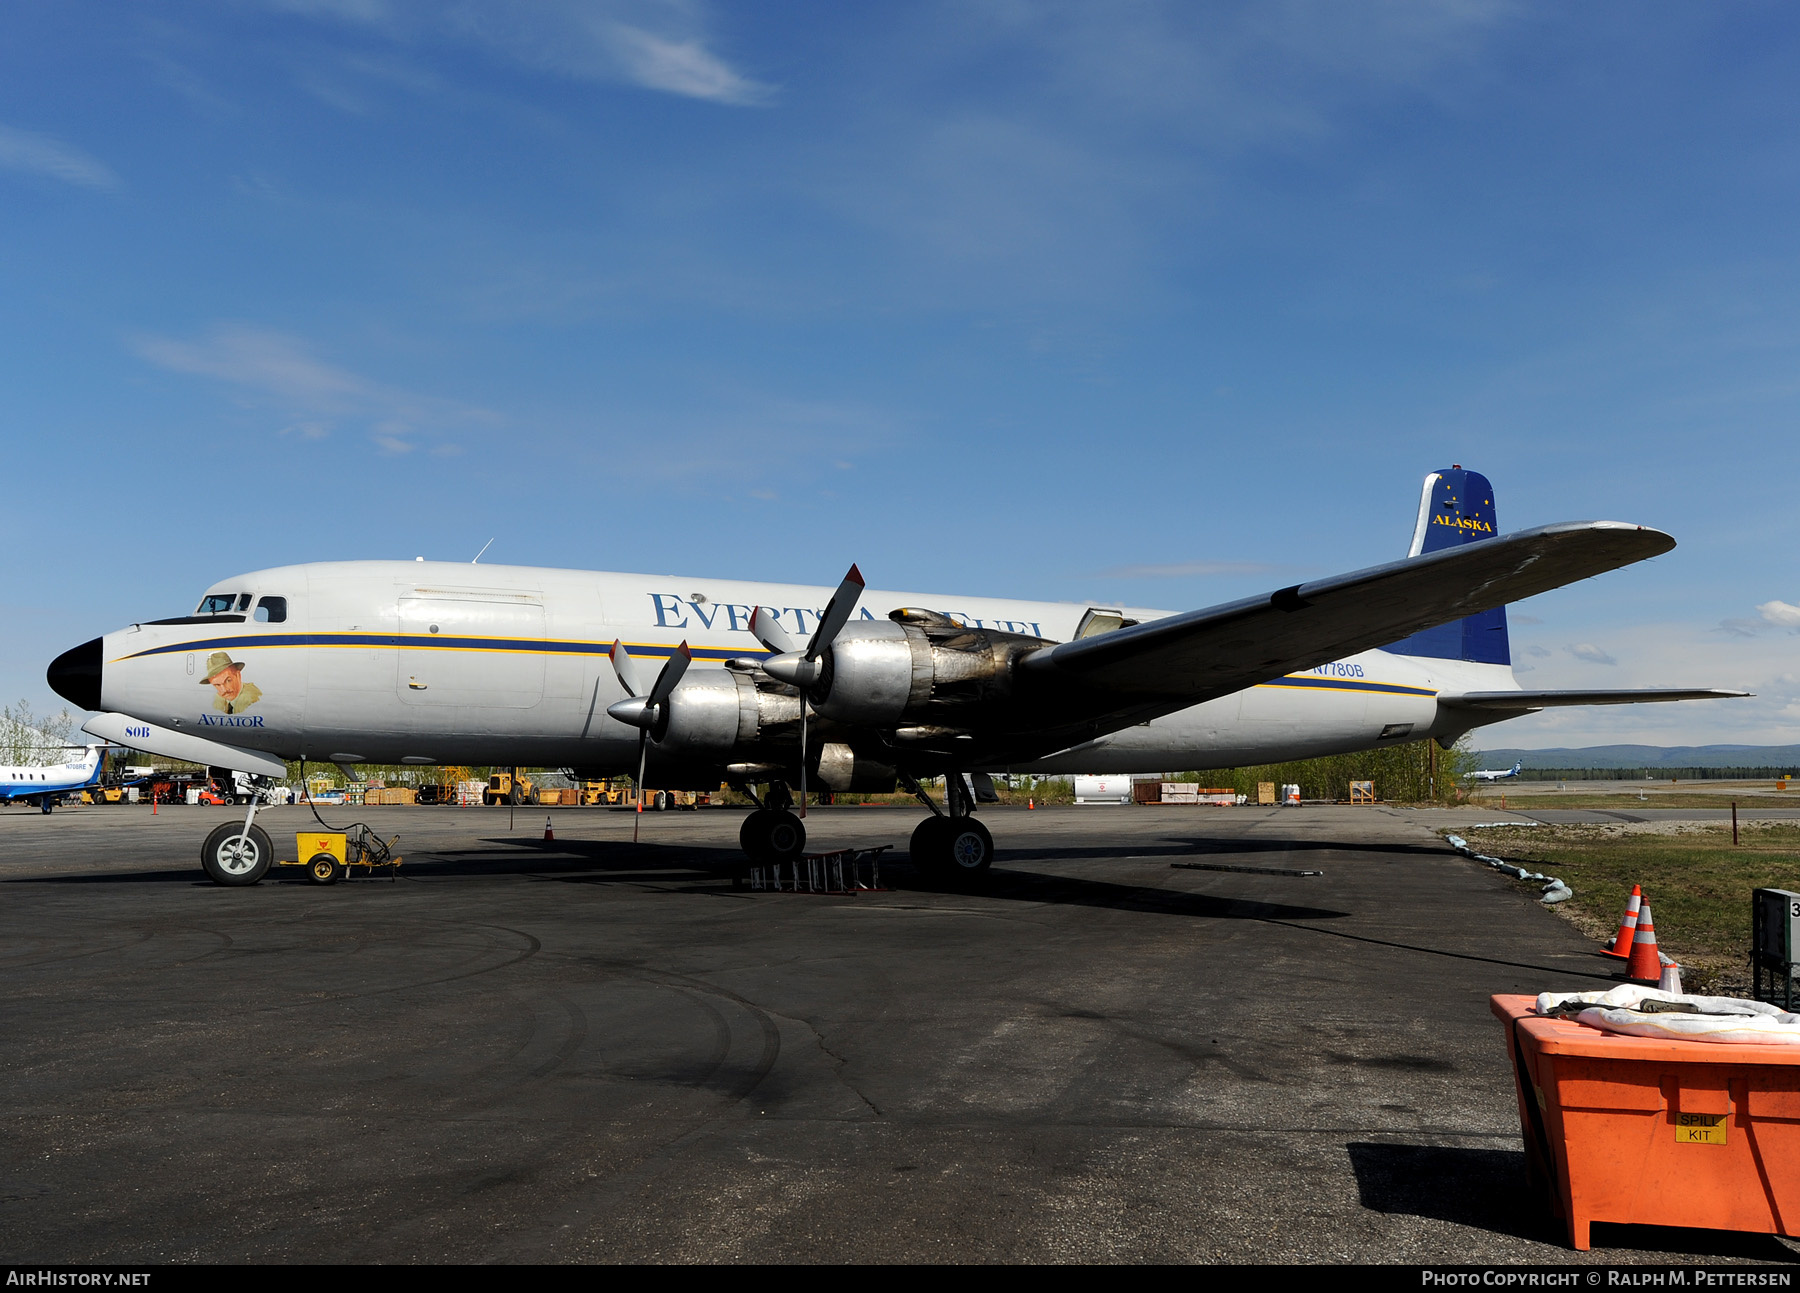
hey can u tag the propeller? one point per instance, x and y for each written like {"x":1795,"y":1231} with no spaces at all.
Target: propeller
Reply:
{"x":641,"y":711}
{"x":802,"y":668}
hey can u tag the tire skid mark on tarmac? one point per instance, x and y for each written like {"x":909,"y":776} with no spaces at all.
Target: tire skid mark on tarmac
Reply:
{"x":578,"y":1033}
{"x":571,"y":1221}
{"x":143,"y":936}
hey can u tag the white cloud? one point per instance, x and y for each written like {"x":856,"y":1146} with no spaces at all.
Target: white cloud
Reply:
{"x":678,"y":66}
{"x":1781,"y":614}
{"x":656,"y":44}
{"x":1589,"y":652}
{"x":1669,"y":654}
{"x":21,"y":150}
{"x":274,"y":368}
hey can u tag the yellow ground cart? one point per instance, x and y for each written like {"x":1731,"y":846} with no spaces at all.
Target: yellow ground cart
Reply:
{"x":328,"y":856}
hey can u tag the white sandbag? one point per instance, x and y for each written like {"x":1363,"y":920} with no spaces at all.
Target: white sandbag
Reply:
{"x":1717,"y":1019}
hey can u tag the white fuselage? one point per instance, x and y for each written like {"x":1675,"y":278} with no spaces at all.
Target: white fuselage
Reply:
{"x":23,"y":782}
{"x":441,"y":663}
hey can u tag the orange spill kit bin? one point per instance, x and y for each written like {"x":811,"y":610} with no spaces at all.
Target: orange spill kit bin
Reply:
{"x":1650,"y":1131}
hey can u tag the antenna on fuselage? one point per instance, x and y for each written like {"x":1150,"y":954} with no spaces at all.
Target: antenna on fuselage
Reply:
{"x":484,"y":548}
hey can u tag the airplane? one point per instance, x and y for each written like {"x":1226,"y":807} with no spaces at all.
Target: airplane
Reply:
{"x":47,"y":785}
{"x":1492,"y":774}
{"x":787,"y":687}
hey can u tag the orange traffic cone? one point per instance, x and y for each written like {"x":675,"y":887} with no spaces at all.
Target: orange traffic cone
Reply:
{"x":548,"y":833}
{"x":1645,"y":965}
{"x":1621,"y":947}
{"x":1031,"y":803}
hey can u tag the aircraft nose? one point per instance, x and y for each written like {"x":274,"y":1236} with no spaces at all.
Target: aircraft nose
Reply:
{"x":75,"y":675}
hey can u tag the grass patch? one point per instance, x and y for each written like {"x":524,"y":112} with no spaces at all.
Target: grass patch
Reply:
{"x":1524,"y":802}
{"x":1697,"y":884}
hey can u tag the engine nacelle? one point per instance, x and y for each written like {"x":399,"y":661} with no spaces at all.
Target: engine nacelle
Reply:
{"x":844,"y":768}
{"x":714,"y":711}
{"x":882,"y":673}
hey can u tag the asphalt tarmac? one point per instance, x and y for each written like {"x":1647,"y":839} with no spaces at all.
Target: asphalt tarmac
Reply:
{"x":591,"y":1050}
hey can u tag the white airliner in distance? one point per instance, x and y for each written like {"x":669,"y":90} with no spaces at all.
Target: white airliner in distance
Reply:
{"x":1497,"y":774}
{"x":44,"y":786}
{"x":781,"y":686}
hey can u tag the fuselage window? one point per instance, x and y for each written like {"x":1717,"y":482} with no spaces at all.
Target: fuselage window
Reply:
{"x":216,"y":603}
{"x":271,"y":610}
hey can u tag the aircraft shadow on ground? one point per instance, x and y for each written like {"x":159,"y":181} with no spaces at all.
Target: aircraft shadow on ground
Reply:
{"x":1213,"y":846}
{"x":1486,"y":1189}
{"x":610,"y":862}
{"x":624,"y":862}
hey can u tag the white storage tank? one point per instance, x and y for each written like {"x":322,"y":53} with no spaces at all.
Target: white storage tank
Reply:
{"x":1111,"y":789}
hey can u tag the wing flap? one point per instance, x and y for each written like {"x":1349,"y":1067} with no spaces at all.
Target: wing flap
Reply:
{"x":1202,"y":654}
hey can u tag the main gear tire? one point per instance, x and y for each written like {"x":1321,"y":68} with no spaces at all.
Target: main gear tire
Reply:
{"x":929,"y":847}
{"x":751,"y":832}
{"x":952,"y":850}
{"x":231,"y":857}
{"x":769,"y":836}
{"x":968,"y":849}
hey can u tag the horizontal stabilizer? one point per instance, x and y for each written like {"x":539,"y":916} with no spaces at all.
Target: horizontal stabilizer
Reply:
{"x":135,"y":734}
{"x":1528,"y":700}
{"x":1202,"y":654}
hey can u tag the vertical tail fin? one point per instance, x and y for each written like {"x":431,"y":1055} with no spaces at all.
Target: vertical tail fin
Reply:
{"x":1455,"y":507}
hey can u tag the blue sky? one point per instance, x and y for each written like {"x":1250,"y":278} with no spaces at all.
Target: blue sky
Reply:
{"x":1152,"y":303}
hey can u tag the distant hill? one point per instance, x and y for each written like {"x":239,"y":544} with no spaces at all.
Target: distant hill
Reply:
{"x":1650,"y":757}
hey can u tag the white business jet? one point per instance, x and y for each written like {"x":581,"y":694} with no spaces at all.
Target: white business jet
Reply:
{"x":44,"y":786}
{"x":1497,"y":774}
{"x":782,"y":687}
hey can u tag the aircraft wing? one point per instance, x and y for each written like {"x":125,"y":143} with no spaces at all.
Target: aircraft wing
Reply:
{"x":1524,"y":701}
{"x":1184,"y":659}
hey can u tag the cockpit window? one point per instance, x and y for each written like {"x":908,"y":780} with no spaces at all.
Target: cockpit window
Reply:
{"x":243,"y":601}
{"x":218,"y":603}
{"x":271,"y":610}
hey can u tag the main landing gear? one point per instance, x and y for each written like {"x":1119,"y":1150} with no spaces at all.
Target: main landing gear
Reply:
{"x":951,"y":846}
{"x":772,"y":833}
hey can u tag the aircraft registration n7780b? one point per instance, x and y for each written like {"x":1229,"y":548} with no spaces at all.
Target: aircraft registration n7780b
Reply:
{"x":688,"y":682}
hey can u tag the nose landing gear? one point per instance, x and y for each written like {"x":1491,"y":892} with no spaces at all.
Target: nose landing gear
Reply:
{"x":237,"y":855}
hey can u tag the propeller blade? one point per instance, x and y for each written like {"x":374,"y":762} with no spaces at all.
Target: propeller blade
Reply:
{"x":803,"y":709}
{"x":625,"y":668}
{"x":670,"y":676}
{"x":765,"y":626}
{"x":643,"y":759}
{"x":837,"y":613}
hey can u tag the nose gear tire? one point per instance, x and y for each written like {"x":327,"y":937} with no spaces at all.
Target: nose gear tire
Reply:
{"x":230,"y":857}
